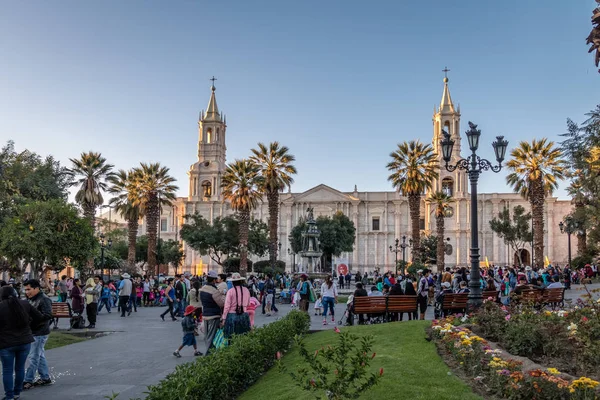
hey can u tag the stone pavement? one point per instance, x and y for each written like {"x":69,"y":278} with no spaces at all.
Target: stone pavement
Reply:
{"x":137,"y":354}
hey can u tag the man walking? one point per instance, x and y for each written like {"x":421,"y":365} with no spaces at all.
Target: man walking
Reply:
{"x":181,"y":292}
{"x":37,"y":355}
{"x":125,"y":287}
{"x":213,"y":302}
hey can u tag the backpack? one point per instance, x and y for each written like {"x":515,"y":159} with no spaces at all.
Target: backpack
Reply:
{"x":78,"y":322}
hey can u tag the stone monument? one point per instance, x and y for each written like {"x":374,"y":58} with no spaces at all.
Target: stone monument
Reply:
{"x":311,"y":248}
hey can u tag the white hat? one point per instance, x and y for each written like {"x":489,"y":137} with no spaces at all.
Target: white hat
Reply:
{"x":236,"y":277}
{"x":125,"y":276}
{"x":446,"y":284}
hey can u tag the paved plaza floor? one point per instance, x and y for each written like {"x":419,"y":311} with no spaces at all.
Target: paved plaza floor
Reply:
{"x":137,"y":354}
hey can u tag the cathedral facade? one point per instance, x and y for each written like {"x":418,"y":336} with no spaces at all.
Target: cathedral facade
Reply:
{"x":379,"y":217}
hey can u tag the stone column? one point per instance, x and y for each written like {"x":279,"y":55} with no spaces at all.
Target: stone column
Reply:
{"x":495,"y":238}
{"x":355,"y":261}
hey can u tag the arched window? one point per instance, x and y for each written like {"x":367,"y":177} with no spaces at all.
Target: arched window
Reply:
{"x":206,"y":189}
{"x":448,"y":186}
{"x":217,"y":136}
{"x":208,"y":135}
{"x":447,"y":127}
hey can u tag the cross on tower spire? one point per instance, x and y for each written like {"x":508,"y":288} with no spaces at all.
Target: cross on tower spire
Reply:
{"x":445,"y":71}
{"x":213,"y":79}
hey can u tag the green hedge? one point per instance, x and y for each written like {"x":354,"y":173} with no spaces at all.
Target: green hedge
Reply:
{"x":228,"y":372}
{"x":264,"y":267}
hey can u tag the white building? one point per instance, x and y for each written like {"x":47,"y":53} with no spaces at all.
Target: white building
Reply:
{"x":380,"y":217}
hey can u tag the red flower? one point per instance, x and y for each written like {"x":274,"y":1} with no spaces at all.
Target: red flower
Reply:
{"x":584,"y":319}
{"x":373,"y":356}
{"x":313,"y":383}
{"x":380,"y":371}
{"x":336,"y":329}
{"x":278,"y":355}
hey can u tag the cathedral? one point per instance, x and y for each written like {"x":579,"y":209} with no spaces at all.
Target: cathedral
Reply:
{"x":379,"y":217}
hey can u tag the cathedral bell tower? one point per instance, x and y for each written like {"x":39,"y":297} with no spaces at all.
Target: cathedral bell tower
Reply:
{"x":205,"y":174}
{"x":446,"y":117}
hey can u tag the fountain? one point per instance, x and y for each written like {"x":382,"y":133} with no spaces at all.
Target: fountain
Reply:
{"x":311,"y":248}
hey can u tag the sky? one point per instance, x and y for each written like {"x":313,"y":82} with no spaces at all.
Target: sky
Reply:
{"x":340,"y":83}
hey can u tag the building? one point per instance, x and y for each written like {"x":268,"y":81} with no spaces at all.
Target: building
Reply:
{"x":380,"y":217}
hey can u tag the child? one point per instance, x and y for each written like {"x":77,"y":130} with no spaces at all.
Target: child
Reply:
{"x":151,"y":298}
{"x":189,"y":325}
{"x":268,"y":303}
{"x":318,"y":305}
{"x":295,"y":298}
{"x":251,"y":309}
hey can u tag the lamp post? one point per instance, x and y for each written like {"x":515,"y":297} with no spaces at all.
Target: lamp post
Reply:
{"x":293,"y":254}
{"x":104,"y":245}
{"x":568,"y":227}
{"x":396,"y":249}
{"x":473,"y":165}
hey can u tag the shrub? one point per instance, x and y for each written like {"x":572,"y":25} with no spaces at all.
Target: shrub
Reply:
{"x":264,"y":267}
{"x":340,"y":371}
{"x":229,"y":371}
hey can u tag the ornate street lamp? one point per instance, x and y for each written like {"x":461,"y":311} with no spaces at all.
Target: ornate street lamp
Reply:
{"x":293,"y":254}
{"x":396,"y":249}
{"x":474,"y":165}
{"x":104,"y":245}
{"x":569,"y":226}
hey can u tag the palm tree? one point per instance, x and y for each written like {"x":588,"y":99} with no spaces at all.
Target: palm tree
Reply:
{"x":241,"y":186}
{"x":91,"y":172}
{"x":155,"y":189}
{"x":124,"y":186}
{"x":414,"y":167}
{"x":276,"y":168}
{"x":536,"y":169}
{"x":441,"y":201}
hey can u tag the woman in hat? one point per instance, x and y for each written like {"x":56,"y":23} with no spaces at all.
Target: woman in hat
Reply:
{"x":235,"y":319}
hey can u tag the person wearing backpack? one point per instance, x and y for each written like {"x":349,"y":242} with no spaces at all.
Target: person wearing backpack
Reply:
{"x":235,"y":319}
{"x":105,"y":297}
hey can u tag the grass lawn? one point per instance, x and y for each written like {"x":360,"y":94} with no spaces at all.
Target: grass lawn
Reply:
{"x":59,"y":339}
{"x":413,"y":369}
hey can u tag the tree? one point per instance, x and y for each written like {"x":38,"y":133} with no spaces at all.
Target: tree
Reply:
{"x":124,"y":186}
{"x":26,"y":176}
{"x":536,"y":169}
{"x":221,"y":240}
{"x":258,"y":238}
{"x":49,"y":233}
{"x":414,"y":167}
{"x":171,"y":253}
{"x":594,"y":37}
{"x":514,"y":230}
{"x":276,"y":168}
{"x":429,"y":244}
{"x":337,"y":235}
{"x":91,"y":173}
{"x":241,"y":186}
{"x":441,"y":203}
{"x":154,"y":189}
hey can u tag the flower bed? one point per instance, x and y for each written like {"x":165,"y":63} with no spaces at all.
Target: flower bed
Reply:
{"x":568,"y":339}
{"x":496,"y":373}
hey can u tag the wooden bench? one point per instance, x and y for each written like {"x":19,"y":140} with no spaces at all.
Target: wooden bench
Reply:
{"x":494,"y":294}
{"x":374,"y":306}
{"x":530,"y":296}
{"x":554,"y":297}
{"x":401,"y":304}
{"x":61,"y":310}
{"x":455,"y":302}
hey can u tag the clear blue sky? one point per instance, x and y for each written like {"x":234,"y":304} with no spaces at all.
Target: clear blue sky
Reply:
{"x":339,"y":82}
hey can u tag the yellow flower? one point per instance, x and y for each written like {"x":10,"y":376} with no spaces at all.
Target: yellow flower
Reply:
{"x":553,"y":371}
{"x":583,"y":383}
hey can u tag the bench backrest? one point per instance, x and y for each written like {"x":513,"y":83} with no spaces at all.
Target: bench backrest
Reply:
{"x":400,"y":303}
{"x":490,"y":293}
{"x":556,"y":295}
{"x":61,"y":310}
{"x":365,"y":305}
{"x":530,"y":295}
